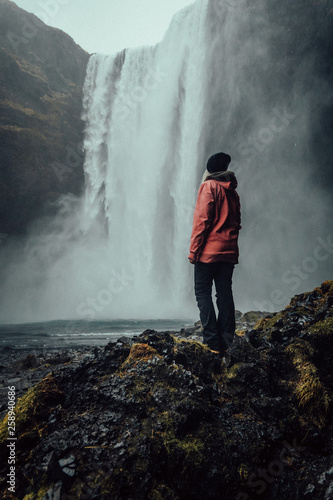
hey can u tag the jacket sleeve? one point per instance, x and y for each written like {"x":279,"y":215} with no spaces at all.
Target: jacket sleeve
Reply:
{"x":202,"y":220}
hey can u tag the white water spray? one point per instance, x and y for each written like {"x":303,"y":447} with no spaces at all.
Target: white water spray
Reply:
{"x":144,"y":111}
{"x":153,"y":116}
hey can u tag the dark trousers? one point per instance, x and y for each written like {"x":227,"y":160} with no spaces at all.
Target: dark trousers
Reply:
{"x":217,"y":333}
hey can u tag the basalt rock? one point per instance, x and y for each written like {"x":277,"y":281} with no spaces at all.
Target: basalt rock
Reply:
{"x":161,"y":417}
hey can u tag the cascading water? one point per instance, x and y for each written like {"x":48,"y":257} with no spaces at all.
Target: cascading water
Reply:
{"x":227,"y":76}
{"x":143,"y":111}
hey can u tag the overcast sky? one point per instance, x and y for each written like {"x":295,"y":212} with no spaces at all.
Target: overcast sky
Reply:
{"x":107,"y":26}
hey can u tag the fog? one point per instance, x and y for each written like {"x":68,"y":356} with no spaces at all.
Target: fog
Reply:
{"x":229,"y":77}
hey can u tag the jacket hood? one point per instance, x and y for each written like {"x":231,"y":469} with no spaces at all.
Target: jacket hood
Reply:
{"x":226,"y":177}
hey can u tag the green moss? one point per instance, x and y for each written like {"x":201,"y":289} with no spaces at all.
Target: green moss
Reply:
{"x":199,"y":348}
{"x":190,"y":449}
{"x":322,"y":329}
{"x":165,"y":387}
{"x":39,"y":495}
{"x":156,"y":495}
{"x":300,"y":352}
{"x":327,"y":287}
{"x":31,"y":408}
{"x":267,"y":324}
{"x":139,"y":353}
{"x":324,"y":291}
{"x":311,"y":393}
{"x":30,"y":69}
{"x":233,"y":371}
{"x":161,"y":491}
{"x":139,"y":389}
{"x":32,"y":134}
{"x":31,"y":113}
{"x":301,"y":311}
{"x":244,"y":473}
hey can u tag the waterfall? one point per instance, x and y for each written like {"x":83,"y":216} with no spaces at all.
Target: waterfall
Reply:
{"x":143,"y":112}
{"x":228,"y":76}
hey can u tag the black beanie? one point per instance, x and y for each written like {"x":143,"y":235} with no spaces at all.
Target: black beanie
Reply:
{"x":218,"y":163}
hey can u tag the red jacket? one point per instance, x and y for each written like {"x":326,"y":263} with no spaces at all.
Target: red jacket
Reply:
{"x":216,"y":222}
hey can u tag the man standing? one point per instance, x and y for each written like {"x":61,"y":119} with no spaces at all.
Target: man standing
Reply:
{"x":214,"y":251}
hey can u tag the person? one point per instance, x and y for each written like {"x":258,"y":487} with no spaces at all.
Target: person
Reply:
{"x":214,"y":251}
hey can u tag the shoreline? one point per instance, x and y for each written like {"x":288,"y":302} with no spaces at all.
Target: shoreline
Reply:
{"x":25,"y":367}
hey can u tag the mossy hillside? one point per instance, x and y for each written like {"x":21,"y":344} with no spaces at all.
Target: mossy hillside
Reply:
{"x":164,"y":385}
{"x":179,"y":438}
{"x":31,"y":409}
{"x":304,"y":330}
{"x":163,"y":432}
{"x":268,"y":324}
{"x":320,"y":297}
{"x":31,"y":415}
{"x":322,"y":331}
{"x":159,"y":417}
{"x":313,"y":388}
{"x":303,"y":311}
{"x":312,"y":395}
{"x":159,"y":430}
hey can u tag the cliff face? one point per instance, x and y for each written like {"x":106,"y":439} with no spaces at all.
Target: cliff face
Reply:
{"x":161,"y":417}
{"x":41,"y":80}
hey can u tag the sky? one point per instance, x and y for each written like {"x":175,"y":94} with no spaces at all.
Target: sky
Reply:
{"x":107,"y":26}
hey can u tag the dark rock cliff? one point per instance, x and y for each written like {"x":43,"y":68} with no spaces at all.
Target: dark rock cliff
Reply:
{"x":161,"y":417}
{"x":41,"y":132}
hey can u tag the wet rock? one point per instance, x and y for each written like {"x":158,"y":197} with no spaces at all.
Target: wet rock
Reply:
{"x":54,"y":493}
{"x":68,"y":466}
{"x":160,"y":416}
{"x":29,"y":361}
{"x":59,"y":360}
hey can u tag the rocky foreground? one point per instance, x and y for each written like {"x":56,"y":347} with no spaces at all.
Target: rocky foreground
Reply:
{"x":161,"y":417}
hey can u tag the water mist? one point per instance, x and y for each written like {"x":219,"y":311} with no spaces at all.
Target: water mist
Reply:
{"x":222,"y":79}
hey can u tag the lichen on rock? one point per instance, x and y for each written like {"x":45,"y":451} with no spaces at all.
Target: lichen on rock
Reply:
{"x":160,"y":416}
